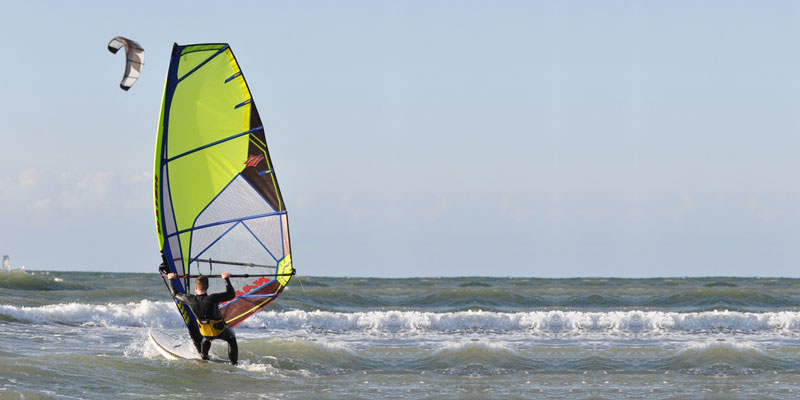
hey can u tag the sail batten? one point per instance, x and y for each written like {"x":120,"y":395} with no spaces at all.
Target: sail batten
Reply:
{"x":211,"y":201}
{"x":214,"y":143}
{"x":227,"y":222}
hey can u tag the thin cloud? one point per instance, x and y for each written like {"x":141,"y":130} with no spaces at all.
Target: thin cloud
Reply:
{"x":89,"y":190}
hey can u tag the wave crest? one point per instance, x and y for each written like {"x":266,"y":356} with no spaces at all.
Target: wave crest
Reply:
{"x":622,"y":323}
{"x":163,"y":314}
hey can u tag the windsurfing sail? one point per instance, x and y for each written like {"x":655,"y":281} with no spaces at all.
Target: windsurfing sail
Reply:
{"x":6,"y":264}
{"x":217,"y":202}
{"x":134,"y":59}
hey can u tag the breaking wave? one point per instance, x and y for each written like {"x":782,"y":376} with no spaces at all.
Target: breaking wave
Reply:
{"x":163,"y":314}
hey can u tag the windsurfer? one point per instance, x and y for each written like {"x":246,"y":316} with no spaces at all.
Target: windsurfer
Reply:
{"x":206,"y":308}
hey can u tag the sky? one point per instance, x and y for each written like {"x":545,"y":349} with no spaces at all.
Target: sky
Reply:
{"x":429,"y":138}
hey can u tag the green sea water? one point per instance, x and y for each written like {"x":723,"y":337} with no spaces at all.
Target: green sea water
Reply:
{"x":84,"y":335}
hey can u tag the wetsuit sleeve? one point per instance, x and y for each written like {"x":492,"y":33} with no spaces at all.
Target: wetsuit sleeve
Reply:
{"x":177,"y":296}
{"x":227,"y":295}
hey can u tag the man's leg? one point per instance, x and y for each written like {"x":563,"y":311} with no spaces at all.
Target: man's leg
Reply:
{"x":205,"y":346}
{"x":233,"y":349}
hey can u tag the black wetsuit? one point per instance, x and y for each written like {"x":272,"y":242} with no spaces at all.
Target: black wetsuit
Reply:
{"x":206,"y":306}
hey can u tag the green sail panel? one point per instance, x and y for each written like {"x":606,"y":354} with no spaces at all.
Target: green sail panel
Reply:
{"x":217,"y":201}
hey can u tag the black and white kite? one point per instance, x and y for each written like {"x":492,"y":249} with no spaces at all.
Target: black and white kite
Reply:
{"x":134,"y":55}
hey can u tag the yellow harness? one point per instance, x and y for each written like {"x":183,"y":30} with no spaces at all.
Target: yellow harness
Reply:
{"x":211,"y":327}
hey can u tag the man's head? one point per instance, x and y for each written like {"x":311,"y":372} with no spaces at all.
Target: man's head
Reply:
{"x":201,"y":284}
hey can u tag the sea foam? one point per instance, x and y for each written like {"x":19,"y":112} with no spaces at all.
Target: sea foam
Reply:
{"x":535,"y":322}
{"x":162,"y":314}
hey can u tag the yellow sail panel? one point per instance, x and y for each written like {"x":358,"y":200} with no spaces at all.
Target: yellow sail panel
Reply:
{"x":199,"y":177}
{"x":204,"y":108}
{"x":192,"y":56}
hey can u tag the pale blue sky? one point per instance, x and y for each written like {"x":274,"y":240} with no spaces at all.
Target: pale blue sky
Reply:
{"x":505,"y":138}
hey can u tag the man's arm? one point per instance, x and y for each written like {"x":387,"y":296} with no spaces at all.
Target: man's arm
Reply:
{"x":171,"y":284}
{"x":229,"y":292}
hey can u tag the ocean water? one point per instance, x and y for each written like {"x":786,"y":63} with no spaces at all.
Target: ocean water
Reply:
{"x":84,"y":335}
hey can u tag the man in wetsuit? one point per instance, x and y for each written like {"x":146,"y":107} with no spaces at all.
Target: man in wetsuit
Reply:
{"x":206,"y":308}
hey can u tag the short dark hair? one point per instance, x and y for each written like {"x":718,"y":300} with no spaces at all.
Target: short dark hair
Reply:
{"x":202,"y":282}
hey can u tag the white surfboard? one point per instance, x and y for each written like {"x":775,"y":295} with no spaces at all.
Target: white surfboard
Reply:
{"x":173,"y":348}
